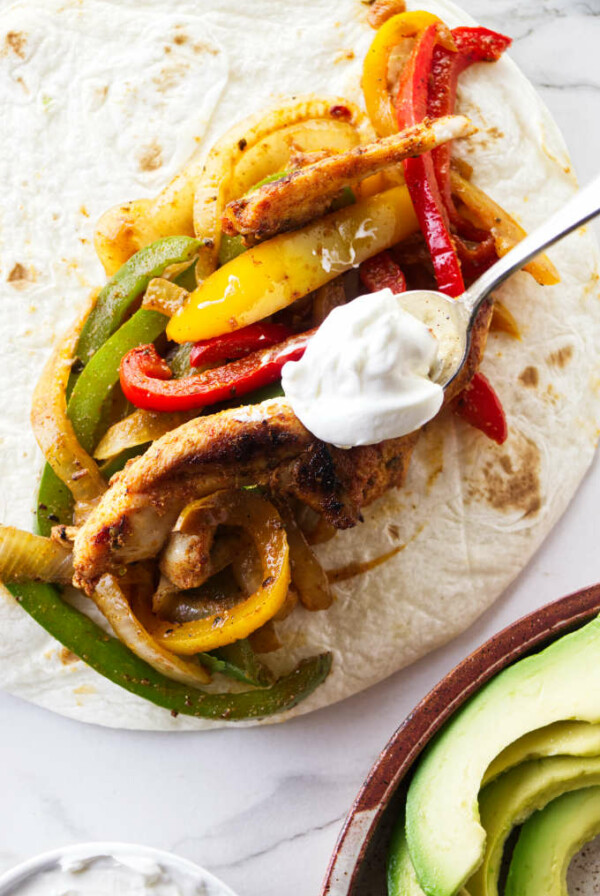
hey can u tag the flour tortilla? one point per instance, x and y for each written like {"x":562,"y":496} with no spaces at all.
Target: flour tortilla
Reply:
{"x":103,"y":102}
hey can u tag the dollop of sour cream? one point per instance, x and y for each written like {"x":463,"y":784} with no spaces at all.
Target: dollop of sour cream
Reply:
{"x":125,"y":875}
{"x":365,"y":375}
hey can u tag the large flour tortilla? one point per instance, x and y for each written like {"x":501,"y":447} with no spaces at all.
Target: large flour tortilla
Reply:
{"x":102,"y":102}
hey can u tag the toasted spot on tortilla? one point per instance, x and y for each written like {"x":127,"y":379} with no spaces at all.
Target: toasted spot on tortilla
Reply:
{"x":16,"y":41}
{"x":66,"y":657}
{"x":530,"y":377}
{"x":552,"y":395}
{"x":180,"y":39}
{"x":170,"y":76}
{"x":344,"y":56}
{"x":20,"y":276}
{"x":495,"y":132}
{"x":513,"y":482}
{"x":85,"y":689}
{"x":433,"y":454}
{"x":202,"y":47}
{"x":150,"y":157}
{"x":561,"y":357}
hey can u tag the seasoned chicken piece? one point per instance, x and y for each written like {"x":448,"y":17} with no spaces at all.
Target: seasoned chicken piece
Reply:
{"x":261,"y":444}
{"x":135,"y":515}
{"x":308,"y":192}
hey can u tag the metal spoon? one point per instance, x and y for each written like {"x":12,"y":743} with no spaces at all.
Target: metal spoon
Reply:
{"x":452,"y":320}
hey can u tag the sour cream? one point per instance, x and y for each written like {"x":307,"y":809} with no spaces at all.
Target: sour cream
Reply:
{"x":366,"y":374}
{"x":115,"y":869}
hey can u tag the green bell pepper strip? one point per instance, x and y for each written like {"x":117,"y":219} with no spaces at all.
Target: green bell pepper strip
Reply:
{"x":229,"y":248}
{"x":98,"y":378}
{"x":238,"y":661}
{"x":112,"y":659}
{"x":115,"y":661}
{"x":130,"y":281}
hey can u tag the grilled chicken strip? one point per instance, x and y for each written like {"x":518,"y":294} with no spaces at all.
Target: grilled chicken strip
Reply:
{"x":135,"y":515}
{"x":261,"y":444}
{"x":308,"y":192}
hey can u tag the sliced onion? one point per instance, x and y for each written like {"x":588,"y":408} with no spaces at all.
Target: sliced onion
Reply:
{"x":482,"y":211}
{"x":275,"y":152}
{"x":138,"y":429}
{"x":164,"y":296}
{"x":53,"y":429}
{"x":308,"y":575}
{"x":25,"y":558}
{"x":503,"y":320}
{"x":112,"y":602}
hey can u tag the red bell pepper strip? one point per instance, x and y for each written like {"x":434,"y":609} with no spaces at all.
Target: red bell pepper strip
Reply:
{"x":146,"y":379}
{"x":473,"y":45}
{"x":411,"y":109}
{"x":381,"y":272}
{"x":238,"y":344}
{"x":479,"y":405}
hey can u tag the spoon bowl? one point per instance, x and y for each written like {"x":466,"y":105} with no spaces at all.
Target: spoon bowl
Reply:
{"x":452,"y":320}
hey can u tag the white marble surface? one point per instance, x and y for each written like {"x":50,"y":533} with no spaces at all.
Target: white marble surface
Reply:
{"x":262,"y":808}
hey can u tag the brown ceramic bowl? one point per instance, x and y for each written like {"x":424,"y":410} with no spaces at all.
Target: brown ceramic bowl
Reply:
{"x":357,"y":867}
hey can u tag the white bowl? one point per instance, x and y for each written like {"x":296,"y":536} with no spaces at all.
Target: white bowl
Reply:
{"x":204,"y":883}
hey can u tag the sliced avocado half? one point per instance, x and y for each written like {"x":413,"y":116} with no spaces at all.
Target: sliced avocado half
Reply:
{"x":511,"y":799}
{"x":559,"y":739}
{"x":548,"y":842}
{"x":445,"y":838}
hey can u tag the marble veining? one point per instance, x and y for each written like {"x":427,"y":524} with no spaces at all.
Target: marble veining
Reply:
{"x":262,"y":807}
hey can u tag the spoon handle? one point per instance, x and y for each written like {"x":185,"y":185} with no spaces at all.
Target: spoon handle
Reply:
{"x":583,"y":206}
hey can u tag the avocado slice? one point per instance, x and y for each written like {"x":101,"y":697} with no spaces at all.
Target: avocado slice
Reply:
{"x":401,"y":875}
{"x":445,"y":839}
{"x":559,"y":739}
{"x":511,"y":799}
{"x":548,"y":842}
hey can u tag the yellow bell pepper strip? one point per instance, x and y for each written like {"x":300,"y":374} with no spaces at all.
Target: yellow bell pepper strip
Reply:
{"x":264,"y":526}
{"x":275,"y":273}
{"x":484,"y":212}
{"x":213,"y":190}
{"x":117,"y":297}
{"x":112,"y":659}
{"x":392,"y":33}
